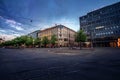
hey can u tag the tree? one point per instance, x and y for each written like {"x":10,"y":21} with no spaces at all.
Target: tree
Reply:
{"x":53,"y":40}
{"x":23,"y":39}
{"x":37,"y":41}
{"x":80,"y":37}
{"x":45,"y":41}
{"x":17,"y":41}
{"x":8,"y":43}
{"x":29,"y":41}
{"x":20,"y":40}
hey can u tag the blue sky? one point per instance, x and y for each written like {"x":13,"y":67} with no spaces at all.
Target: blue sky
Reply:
{"x":19,"y":17}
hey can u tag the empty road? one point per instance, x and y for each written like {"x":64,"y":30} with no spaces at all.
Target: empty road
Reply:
{"x":59,"y":64}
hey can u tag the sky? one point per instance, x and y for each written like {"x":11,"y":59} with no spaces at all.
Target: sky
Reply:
{"x":20,"y":17}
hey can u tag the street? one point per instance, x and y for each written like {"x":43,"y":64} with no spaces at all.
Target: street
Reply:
{"x":59,"y":64}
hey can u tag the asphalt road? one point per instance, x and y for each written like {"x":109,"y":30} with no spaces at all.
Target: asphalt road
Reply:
{"x":60,"y":64}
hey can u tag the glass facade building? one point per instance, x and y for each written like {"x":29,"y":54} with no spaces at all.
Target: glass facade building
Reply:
{"x":34,"y":34}
{"x":102,"y":25}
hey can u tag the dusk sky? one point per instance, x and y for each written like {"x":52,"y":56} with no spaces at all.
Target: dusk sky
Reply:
{"x":20,"y":17}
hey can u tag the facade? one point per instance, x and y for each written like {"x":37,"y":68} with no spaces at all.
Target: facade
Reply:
{"x":64,"y":35}
{"x":118,"y":42}
{"x":102,"y":25}
{"x":34,"y":34}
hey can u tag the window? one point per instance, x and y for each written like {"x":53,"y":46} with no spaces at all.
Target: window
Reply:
{"x":65,"y":39}
{"x":60,"y":39}
{"x":112,"y":32}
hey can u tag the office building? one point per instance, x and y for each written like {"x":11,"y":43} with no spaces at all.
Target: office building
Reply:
{"x":65,"y":36}
{"x":102,"y":25}
{"x":34,"y":34}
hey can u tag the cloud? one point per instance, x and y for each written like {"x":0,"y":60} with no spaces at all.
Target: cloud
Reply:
{"x":16,"y":27}
{"x":7,"y":37}
{"x":14,"y":24}
{"x":10,"y":21}
{"x":10,"y":29}
{"x":11,"y":24}
{"x":3,"y":31}
{"x":10,"y":35}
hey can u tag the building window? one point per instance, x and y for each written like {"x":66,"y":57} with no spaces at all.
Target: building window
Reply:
{"x":65,"y":39}
{"x":60,"y":35}
{"x":112,"y":32}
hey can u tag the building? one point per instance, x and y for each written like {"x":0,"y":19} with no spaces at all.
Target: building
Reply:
{"x":118,"y":42}
{"x":34,"y":34}
{"x":102,"y":25}
{"x":65,"y":36}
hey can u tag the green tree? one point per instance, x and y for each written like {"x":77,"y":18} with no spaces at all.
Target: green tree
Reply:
{"x":23,"y":39}
{"x":17,"y":41}
{"x":20,"y":40}
{"x":8,"y":43}
{"x":53,"y":40}
{"x":37,"y":41}
{"x":80,"y":37}
{"x":45,"y":41}
{"x":29,"y":41}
